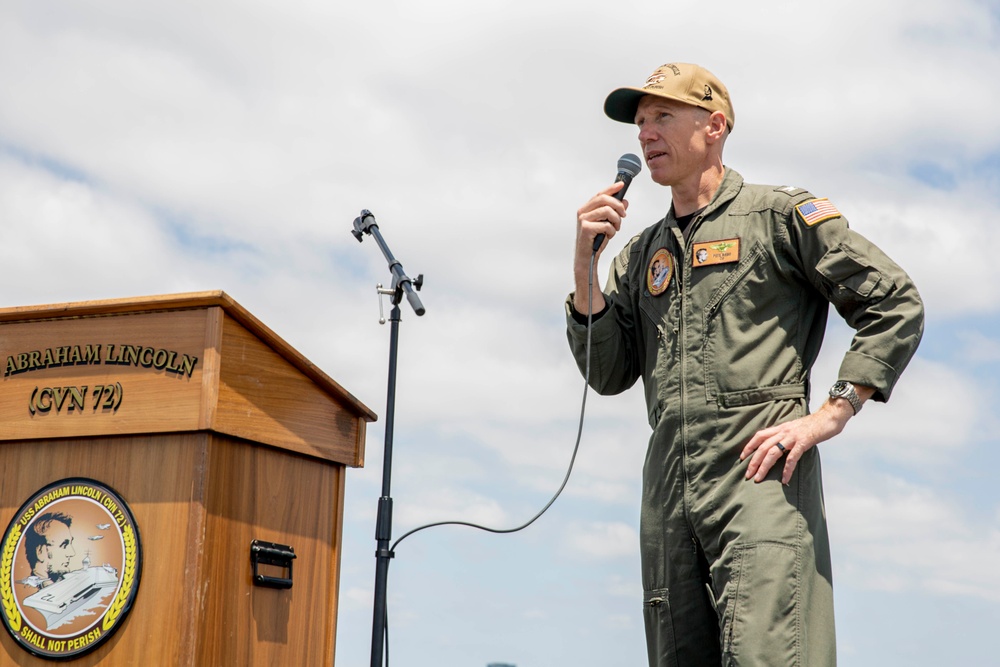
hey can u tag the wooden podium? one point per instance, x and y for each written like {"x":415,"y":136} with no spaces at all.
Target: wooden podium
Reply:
{"x":217,"y":434}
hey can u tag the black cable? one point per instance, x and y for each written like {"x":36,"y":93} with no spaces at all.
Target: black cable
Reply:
{"x":569,"y":471}
{"x":576,"y":447}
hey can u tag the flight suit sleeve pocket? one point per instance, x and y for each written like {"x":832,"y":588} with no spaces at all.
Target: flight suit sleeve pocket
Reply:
{"x":849,"y":273}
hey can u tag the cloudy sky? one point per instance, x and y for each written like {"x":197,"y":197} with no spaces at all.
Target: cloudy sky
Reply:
{"x":158,"y":147}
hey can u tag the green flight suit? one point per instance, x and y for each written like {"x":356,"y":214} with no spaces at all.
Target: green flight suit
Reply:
{"x":735,"y":572}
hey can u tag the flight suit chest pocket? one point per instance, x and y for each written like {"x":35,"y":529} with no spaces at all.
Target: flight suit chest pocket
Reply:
{"x":748,"y":321}
{"x":656,"y":311}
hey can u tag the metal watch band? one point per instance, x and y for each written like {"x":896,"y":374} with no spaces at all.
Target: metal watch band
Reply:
{"x":844,"y":389}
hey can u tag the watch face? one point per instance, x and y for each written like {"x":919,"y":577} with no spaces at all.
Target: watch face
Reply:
{"x":838,"y":389}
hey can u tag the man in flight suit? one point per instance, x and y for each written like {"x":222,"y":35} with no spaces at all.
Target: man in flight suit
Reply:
{"x":735,"y":556}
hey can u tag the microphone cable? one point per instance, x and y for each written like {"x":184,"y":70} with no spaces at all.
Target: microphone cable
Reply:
{"x":569,"y":470}
{"x":576,"y":447}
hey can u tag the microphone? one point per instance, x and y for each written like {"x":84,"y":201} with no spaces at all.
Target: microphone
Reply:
{"x":629,"y":167}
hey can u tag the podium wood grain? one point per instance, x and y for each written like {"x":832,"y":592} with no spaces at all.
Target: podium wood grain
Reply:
{"x":253,"y":444}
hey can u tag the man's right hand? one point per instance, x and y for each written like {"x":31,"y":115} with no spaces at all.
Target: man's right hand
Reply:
{"x":603,"y":214}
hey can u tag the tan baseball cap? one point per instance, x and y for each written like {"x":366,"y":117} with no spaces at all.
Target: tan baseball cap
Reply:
{"x":683,"y":82}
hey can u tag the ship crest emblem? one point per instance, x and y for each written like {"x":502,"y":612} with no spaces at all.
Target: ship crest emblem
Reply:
{"x":70,"y":562}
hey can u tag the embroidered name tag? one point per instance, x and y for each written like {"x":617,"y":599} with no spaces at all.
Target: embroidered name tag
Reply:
{"x":716,"y":252}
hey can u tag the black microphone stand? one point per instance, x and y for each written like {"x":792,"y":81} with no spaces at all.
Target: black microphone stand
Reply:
{"x":401,"y":284}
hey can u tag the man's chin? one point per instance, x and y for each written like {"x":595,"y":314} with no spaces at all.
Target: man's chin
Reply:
{"x":662,"y":177}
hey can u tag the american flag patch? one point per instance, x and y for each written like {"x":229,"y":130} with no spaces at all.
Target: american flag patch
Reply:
{"x":816,"y":211}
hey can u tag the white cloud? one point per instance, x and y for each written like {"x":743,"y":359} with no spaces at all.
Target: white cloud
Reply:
{"x":942,"y":240}
{"x":157,"y":147}
{"x":603,"y":540}
{"x":899,"y":536}
{"x":921,"y":428}
{"x":979,"y":349}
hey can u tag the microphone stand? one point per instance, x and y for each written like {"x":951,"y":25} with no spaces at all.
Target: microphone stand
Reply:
{"x":401,"y":284}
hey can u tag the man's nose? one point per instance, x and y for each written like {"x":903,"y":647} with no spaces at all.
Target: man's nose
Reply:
{"x":646,"y":134}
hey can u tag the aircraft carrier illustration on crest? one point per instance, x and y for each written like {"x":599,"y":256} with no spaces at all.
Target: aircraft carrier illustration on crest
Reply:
{"x":88,"y":584}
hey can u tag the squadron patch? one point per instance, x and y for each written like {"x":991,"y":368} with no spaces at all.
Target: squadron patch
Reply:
{"x":661,"y":269}
{"x":816,"y":211}
{"x":716,"y":252}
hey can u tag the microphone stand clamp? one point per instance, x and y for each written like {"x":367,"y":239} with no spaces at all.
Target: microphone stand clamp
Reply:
{"x":396,"y":293}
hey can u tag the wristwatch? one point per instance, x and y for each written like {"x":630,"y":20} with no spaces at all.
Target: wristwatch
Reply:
{"x":844,"y":389}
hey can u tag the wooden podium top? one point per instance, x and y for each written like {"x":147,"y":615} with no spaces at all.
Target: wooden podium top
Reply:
{"x":171,"y":363}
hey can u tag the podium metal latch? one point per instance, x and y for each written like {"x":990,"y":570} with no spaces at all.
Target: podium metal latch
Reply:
{"x":268,"y":553}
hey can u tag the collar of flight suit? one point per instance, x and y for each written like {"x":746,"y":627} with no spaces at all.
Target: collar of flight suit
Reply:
{"x":732,"y":183}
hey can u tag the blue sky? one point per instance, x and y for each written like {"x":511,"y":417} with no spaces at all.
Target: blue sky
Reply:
{"x":161,"y":147}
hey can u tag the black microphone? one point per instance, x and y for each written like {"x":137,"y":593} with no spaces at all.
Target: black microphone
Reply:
{"x":629,"y":167}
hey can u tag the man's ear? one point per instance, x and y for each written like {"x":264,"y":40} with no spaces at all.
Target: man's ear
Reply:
{"x":717,"y":126}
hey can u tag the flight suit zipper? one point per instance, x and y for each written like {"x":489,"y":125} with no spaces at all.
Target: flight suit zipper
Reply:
{"x":683,"y":278}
